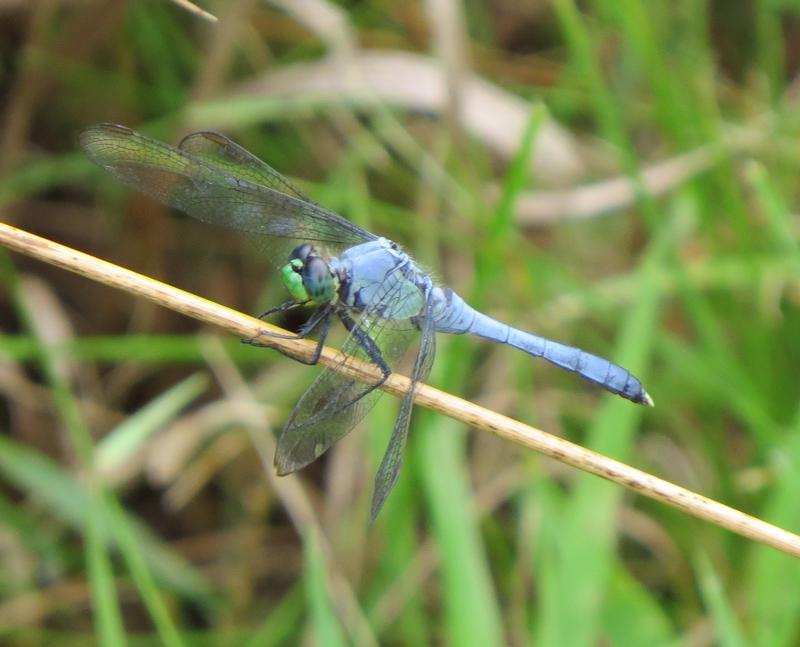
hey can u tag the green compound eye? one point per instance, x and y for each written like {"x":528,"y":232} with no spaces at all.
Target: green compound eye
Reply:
{"x":293,"y":280}
{"x":309,"y":280}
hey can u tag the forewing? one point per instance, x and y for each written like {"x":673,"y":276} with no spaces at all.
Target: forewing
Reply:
{"x":335,"y":403}
{"x":389,"y":469}
{"x":232,"y":158}
{"x":211,"y":191}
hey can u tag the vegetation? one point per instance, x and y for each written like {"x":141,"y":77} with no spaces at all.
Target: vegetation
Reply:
{"x":620,"y":176}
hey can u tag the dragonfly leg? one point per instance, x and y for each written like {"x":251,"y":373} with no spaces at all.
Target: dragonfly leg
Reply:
{"x":323,"y":335}
{"x":283,"y":307}
{"x":323,"y":316}
{"x":369,"y":346}
{"x":305,"y":330}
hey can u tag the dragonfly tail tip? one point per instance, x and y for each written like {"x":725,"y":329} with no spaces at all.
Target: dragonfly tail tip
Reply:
{"x":647,"y":400}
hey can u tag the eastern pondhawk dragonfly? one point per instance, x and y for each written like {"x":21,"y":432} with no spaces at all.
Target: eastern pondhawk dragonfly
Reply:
{"x":377,"y":291}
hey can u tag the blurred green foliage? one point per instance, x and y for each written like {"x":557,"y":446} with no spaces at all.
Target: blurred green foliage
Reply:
{"x":188,"y":538}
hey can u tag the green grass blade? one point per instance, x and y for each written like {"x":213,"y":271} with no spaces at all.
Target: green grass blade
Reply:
{"x":138,"y":349}
{"x":67,"y":500}
{"x":633,"y":615}
{"x":126,"y":439}
{"x":108,"y":619}
{"x":729,"y":634}
{"x":772,"y":576}
{"x":584,"y":552}
{"x":109,"y":627}
{"x":125,"y":539}
{"x":327,"y":629}
{"x":472,"y":614}
{"x":280,"y":627}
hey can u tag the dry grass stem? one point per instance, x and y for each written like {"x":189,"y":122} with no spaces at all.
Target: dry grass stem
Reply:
{"x":469,"y":413}
{"x":191,"y":7}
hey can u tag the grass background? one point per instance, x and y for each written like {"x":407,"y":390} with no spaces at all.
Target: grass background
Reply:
{"x":137,"y":501}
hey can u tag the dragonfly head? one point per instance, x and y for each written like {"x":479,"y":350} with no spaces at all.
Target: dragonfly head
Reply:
{"x":308,"y":277}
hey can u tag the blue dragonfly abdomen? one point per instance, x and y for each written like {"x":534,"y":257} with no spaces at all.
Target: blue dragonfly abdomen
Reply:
{"x":454,"y":316}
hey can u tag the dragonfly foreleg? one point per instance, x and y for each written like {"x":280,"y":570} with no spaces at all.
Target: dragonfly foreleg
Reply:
{"x":283,"y":307}
{"x":305,"y":330}
{"x":321,"y":316}
{"x":323,"y":335}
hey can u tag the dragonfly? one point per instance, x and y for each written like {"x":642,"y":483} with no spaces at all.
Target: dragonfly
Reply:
{"x":345,"y":273}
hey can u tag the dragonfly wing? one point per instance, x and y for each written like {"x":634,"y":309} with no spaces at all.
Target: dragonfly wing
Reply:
{"x":229,"y":156}
{"x":389,"y":469}
{"x":209,"y":189}
{"x":335,"y":403}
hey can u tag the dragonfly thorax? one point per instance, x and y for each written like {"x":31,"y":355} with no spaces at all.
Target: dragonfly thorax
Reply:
{"x":309,"y":277}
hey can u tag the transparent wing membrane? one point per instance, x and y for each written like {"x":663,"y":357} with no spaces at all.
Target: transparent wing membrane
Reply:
{"x":223,"y":185}
{"x":389,"y":469}
{"x":232,"y":158}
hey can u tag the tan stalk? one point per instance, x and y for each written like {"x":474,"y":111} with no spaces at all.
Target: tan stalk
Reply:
{"x":469,"y":413}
